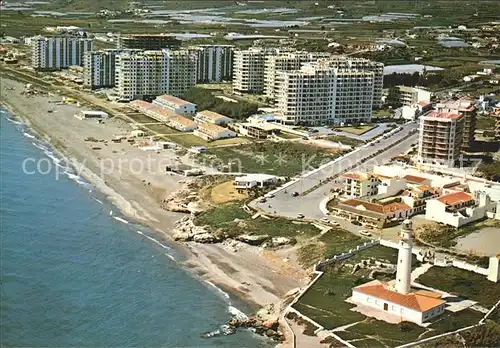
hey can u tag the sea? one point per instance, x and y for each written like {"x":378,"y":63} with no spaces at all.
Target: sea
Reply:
{"x":74,"y":272}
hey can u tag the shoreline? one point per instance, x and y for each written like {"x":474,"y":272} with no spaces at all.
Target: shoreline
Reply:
{"x":210,"y":263}
{"x":113,"y":198}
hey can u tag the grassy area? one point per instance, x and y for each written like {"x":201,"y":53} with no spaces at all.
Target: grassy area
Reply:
{"x":462,"y":283}
{"x":450,"y":321}
{"x":188,"y":140}
{"x":325,"y":302}
{"x":222,"y":218}
{"x":162,"y":129}
{"x":358,"y":130}
{"x":226,"y":192}
{"x":391,"y":334}
{"x":282,"y":159}
{"x":345,"y":140}
{"x":485,"y":123}
{"x":336,"y":241}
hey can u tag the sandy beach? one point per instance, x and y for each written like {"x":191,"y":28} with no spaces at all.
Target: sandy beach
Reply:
{"x":136,"y":182}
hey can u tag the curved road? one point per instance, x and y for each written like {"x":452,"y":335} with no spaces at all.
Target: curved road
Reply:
{"x":308,"y":202}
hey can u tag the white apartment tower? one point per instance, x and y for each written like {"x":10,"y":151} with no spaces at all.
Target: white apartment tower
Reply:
{"x":403,"y":272}
{"x":99,"y":68}
{"x":214,"y":63}
{"x":55,"y":53}
{"x":362,"y":64}
{"x":286,"y":61}
{"x":320,"y":93}
{"x":146,"y":74}
{"x":248,"y":70}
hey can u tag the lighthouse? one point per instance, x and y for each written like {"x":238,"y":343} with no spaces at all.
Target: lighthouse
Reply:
{"x":403,"y":274}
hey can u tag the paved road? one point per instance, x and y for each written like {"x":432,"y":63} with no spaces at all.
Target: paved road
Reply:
{"x":308,"y":204}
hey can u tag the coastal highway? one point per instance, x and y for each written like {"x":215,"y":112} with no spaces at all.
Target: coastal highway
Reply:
{"x":308,"y":202}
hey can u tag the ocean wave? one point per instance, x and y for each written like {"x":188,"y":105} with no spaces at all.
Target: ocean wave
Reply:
{"x":154,"y":241}
{"x":41,"y":147}
{"x":27,"y":135}
{"x":170,"y":257}
{"x":13,"y":121}
{"x":120,"y":219}
{"x":225,"y":294}
{"x":76,"y":178}
{"x":51,"y":155}
{"x":97,"y":200}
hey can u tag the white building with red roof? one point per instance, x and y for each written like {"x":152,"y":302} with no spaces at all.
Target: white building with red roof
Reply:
{"x":396,"y":299}
{"x":460,"y":208}
{"x":176,"y":105}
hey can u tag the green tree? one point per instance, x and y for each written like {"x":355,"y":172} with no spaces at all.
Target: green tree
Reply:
{"x":394,"y":97}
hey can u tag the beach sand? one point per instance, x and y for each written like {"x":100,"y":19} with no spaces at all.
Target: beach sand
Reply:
{"x":249,"y":273}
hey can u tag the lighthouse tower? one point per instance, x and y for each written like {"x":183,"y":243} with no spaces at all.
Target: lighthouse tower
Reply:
{"x":403,"y":274}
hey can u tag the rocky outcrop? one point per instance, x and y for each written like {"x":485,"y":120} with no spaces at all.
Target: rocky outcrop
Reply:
{"x":277,"y":242}
{"x":185,"y":230}
{"x":206,"y":238}
{"x":185,"y":200}
{"x":264,"y":328}
{"x":253,"y":239}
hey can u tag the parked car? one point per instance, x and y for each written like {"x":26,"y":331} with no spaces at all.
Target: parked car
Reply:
{"x":325,"y":219}
{"x":356,"y":222}
{"x":295,"y":194}
{"x":300,"y":215}
{"x":269,"y":195}
{"x":365,"y":233}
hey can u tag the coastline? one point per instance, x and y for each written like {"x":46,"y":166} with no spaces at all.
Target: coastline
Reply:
{"x":247,"y":274}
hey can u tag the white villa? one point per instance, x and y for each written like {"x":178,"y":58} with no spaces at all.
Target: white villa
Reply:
{"x":254,"y":180}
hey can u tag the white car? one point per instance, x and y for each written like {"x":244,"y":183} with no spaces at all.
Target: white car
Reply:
{"x":269,"y":195}
{"x":325,"y":219}
{"x":365,"y":233}
{"x":300,"y":215}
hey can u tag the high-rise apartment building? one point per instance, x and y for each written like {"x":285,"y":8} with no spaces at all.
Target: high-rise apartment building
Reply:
{"x":467,"y":108}
{"x":99,"y":68}
{"x":440,"y":138}
{"x":214,"y":62}
{"x":362,"y":64}
{"x":320,"y":93}
{"x":286,"y":61}
{"x":55,"y":53}
{"x":146,"y":74}
{"x":151,"y":42}
{"x":248,"y":69}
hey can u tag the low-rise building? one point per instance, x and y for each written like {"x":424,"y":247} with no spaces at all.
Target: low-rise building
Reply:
{"x":174,"y":104}
{"x":209,"y":131}
{"x":208,"y":116}
{"x":83,"y":114}
{"x":254,"y":180}
{"x":416,"y":197}
{"x":156,"y":112}
{"x":182,"y":123}
{"x":258,"y":130}
{"x":460,"y":208}
{"x":360,"y":184}
{"x":371,"y":213}
{"x":411,"y":95}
